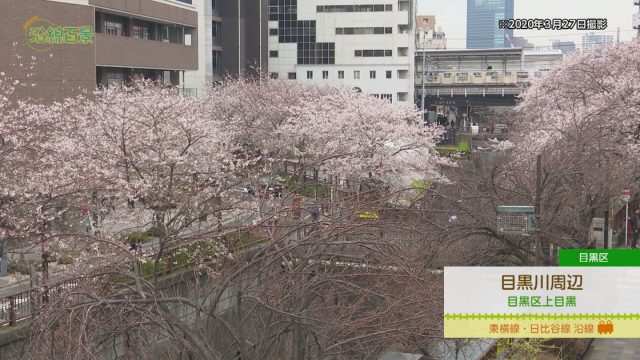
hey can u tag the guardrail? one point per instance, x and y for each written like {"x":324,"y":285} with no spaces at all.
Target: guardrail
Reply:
{"x":22,"y":305}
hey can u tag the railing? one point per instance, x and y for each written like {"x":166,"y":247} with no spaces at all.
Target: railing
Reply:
{"x":20,"y":306}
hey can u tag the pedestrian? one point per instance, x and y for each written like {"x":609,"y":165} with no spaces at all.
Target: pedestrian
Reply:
{"x":635,"y":227}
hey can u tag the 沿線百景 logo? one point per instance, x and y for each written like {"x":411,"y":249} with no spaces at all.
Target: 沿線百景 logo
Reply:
{"x":43,"y":35}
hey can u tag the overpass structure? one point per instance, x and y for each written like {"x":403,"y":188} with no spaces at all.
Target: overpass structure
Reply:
{"x":478,"y":77}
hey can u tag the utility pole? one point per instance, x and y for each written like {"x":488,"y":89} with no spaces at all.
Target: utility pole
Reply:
{"x":606,"y":229}
{"x":537,"y":210}
{"x":422,"y":95}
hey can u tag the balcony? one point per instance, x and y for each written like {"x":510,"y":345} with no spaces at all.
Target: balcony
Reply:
{"x":122,"y":51}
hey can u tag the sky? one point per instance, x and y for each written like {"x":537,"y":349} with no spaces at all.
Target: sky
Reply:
{"x":451,"y":15}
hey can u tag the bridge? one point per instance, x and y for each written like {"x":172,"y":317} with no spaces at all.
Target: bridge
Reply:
{"x":478,"y":77}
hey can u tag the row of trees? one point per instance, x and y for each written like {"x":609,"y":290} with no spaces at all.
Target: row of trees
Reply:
{"x":342,"y":286}
{"x":338,"y":287}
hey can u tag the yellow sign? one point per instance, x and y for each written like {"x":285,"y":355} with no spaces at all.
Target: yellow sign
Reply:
{"x":368,"y":215}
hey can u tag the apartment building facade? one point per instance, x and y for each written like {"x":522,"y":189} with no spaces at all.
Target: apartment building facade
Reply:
{"x":367,"y":45}
{"x":65,"y":47}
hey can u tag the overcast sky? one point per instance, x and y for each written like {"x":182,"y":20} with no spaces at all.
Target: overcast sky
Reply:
{"x":451,"y":15}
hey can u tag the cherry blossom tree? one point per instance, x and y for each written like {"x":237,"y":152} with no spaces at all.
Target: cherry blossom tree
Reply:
{"x":582,"y":119}
{"x":308,"y":288}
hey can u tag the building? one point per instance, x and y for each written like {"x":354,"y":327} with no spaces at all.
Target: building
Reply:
{"x":482,"y":24}
{"x":520,"y":42}
{"x":566,"y":47}
{"x":234,"y":37}
{"x":425,"y":23}
{"x":591,"y":40}
{"x":366,"y":44}
{"x":245,"y":35}
{"x":209,"y":48}
{"x":66,"y":47}
{"x":427,"y":39}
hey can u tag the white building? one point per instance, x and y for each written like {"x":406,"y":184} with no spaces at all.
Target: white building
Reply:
{"x":591,"y":40}
{"x":364,"y":44}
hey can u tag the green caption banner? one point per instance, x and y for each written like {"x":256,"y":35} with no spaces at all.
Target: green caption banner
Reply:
{"x":599,"y":257}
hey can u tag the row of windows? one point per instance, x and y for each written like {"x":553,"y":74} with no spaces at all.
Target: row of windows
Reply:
{"x":479,"y":74}
{"x":364,"y":31}
{"x":325,"y":74}
{"x":373,"y":53}
{"x":383,"y":96}
{"x":302,"y":33}
{"x":116,"y":25}
{"x":353,"y":8}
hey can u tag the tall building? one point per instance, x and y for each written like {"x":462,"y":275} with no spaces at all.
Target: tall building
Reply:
{"x":365,"y":44}
{"x":482,"y":24}
{"x":567,"y":47}
{"x":209,"y":47}
{"x":66,"y":47}
{"x":244,"y":36}
{"x":234,"y":37}
{"x":591,"y":40}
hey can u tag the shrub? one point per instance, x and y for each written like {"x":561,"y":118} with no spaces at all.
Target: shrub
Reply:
{"x":65,"y":260}
{"x":153,"y":232}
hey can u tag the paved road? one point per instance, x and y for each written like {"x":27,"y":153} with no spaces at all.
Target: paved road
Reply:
{"x":614,"y":349}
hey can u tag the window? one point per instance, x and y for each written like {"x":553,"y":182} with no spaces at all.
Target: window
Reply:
{"x":273,"y":54}
{"x":140,"y":30}
{"x":114,"y":78}
{"x":372,"y":53}
{"x":356,"y":74}
{"x":216,"y":31}
{"x":363,"y":31}
{"x":273,"y":32}
{"x":216,"y":7}
{"x":477,"y":74}
{"x":113,"y":28}
{"x":325,"y":74}
{"x":273,"y":75}
{"x":447,"y":75}
{"x":309,"y":74}
{"x":340,"y":74}
{"x":388,"y":74}
{"x":164,"y":33}
{"x":291,"y":76}
{"x":386,"y":97}
{"x":217,"y":62}
{"x":353,"y":8}
{"x":372,"y":74}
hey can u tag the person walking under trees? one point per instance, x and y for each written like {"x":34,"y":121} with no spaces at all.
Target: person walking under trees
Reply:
{"x":635,"y":227}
